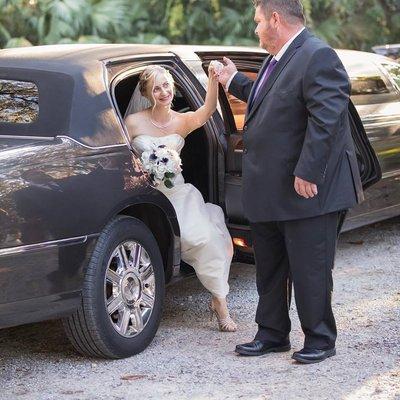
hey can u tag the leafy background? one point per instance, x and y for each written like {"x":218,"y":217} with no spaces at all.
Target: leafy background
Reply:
{"x":354,"y":24}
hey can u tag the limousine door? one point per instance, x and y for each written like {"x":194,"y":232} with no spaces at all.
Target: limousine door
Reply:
{"x":233,"y":113}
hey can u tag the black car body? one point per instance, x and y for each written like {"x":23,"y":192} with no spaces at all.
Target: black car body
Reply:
{"x":76,"y":206}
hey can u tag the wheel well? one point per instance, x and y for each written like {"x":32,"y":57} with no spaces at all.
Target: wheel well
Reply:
{"x":157,"y":222}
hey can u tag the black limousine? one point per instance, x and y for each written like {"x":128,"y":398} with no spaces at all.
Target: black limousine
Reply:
{"x":84,"y":236}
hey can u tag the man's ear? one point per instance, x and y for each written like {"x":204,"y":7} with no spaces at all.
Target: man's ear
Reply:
{"x":276,"y":19}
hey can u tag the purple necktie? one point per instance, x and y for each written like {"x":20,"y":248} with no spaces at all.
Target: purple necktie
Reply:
{"x":264,"y":78}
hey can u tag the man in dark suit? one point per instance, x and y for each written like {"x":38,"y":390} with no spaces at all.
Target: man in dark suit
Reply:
{"x":299,"y":171}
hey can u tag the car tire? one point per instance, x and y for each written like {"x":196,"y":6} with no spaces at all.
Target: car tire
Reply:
{"x":126,"y":273}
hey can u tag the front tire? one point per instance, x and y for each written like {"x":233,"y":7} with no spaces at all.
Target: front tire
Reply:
{"x":123,"y":293}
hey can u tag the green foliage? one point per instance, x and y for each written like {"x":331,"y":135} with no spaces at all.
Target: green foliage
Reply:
{"x":18,"y":42}
{"x":357,"y":24}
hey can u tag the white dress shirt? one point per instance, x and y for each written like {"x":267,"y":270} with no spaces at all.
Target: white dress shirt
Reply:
{"x":277,"y":57}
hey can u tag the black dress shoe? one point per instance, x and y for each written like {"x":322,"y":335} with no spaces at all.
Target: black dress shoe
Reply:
{"x":311,"y":356}
{"x":258,"y":348}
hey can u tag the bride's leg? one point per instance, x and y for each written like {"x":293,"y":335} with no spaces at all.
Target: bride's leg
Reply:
{"x":220,"y":308}
{"x":220,"y":305}
{"x":206,"y":245}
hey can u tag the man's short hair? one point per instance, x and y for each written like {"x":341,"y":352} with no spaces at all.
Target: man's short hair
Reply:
{"x":292,"y":10}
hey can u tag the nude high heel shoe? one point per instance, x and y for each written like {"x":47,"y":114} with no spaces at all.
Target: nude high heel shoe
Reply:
{"x":226,"y":324}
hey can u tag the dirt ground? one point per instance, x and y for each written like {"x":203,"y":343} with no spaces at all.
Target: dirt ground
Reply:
{"x":190,"y":359}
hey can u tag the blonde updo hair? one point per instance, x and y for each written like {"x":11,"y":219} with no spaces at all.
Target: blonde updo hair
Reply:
{"x":147,"y":77}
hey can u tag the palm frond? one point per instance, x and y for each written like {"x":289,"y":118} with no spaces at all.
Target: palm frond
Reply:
{"x":109,"y":17}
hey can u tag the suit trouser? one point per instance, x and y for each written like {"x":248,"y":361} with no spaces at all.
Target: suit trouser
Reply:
{"x":305,"y":250}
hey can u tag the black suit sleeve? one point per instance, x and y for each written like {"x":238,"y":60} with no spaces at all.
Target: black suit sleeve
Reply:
{"x":326,"y":92}
{"x":241,"y":86}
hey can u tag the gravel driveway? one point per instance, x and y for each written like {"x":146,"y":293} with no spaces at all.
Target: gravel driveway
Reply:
{"x":190,"y":359}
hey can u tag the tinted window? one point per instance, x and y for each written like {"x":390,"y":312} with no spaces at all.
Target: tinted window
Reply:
{"x":19,"y":102}
{"x":365,"y":77}
{"x":394,"y":72}
{"x":368,"y":85}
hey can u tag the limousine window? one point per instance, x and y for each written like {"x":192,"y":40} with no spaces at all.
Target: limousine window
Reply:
{"x":19,"y":102}
{"x":394,"y":72}
{"x":367,"y":85}
{"x":365,"y":89}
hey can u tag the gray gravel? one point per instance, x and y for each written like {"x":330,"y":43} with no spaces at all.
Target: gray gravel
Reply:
{"x":190,"y":359}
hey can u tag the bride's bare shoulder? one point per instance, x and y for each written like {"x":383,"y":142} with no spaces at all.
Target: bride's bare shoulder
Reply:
{"x":135,"y":123}
{"x":136,"y":118}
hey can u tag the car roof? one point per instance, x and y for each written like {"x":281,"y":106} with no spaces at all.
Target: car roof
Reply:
{"x":77,"y":71}
{"x":68,"y":55}
{"x":83,"y":109}
{"x":349,"y":56}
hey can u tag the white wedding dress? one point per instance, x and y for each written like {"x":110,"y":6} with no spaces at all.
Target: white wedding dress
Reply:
{"x":206,"y":244}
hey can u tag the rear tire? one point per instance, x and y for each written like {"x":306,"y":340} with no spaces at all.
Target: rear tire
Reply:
{"x":122,"y":295}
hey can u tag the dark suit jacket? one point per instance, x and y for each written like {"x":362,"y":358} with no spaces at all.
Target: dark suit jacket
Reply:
{"x":298,"y":126}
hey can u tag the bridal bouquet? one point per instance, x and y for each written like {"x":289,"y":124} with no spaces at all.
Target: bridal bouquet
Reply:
{"x":162,"y":164}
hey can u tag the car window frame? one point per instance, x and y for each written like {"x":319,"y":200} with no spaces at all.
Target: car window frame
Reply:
{"x":396,"y":86}
{"x":248,"y":61}
{"x":45,"y":127}
{"x":123,"y":67}
{"x":134,"y":65}
{"x":242,"y":64}
{"x":377,"y":98}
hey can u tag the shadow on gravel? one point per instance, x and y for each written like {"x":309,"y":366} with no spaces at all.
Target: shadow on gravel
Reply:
{"x":44,"y":338}
{"x":186,"y":301}
{"x":49,"y":338}
{"x":355,"y":237}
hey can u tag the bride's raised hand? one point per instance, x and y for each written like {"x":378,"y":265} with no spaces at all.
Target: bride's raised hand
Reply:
{"x":212,"y":73}
{"x":195,"y":119}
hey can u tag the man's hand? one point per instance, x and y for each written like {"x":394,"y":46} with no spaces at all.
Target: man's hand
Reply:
{"x":228,"y":70}
{"x":304,"y":188}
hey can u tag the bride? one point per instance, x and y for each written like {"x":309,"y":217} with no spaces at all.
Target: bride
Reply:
{"x":205,"y":241}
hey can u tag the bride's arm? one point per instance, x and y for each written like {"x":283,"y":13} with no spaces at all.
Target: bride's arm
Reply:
{"x":195,"y":119}
{"x":131,"y":125}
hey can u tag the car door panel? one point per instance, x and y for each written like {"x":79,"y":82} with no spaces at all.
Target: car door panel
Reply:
{"x":380,"y":115}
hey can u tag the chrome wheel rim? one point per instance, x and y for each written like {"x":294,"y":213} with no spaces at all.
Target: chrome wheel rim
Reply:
{"x":129,"y":288}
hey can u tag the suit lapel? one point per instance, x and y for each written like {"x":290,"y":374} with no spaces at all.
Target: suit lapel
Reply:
{"x":287,"y":56}
{"x":264,"y":66}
